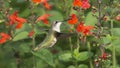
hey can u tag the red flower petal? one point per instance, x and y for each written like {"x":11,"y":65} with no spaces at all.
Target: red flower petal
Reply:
{"x":77,"y":3}
{"x":43,"y":1}
{"x":47,"y":6}
{"x":80,"y":27}
{"x":2,"y":40}
{"x":84,"y":29}
{"x":19,"y":25}
{"x":22,"y":20}
{"x":73,"y":19}
{"x":11,"y":22}
{"x":46,"y":21}
{"x":13,"y":16}
{"x":85,"y":4}
{"x":4,"y":37}
{"x":31,"y":33}
{"x":104,"y":56}
{"x":36,"y":1}
{"x":43,"y":17}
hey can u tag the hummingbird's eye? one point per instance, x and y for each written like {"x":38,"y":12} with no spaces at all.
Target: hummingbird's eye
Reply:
{"x":56,"y":22}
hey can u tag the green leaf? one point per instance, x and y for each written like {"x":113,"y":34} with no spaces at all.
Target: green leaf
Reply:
{"x":90,"y":19}
{"x":45,"y":55}
{"x":82,"y":66}
{"x":76,"y":52}
{"x":6,"y":59}
{"x":41,"y":63}
{"x":107,"y":39}
{"x":71,"y":66}
{"x":20,"y":1}
{"x":43,"y":30}
{"x":116,"y":32}
{"x":21,"y":36}
{"x":66,"y":57}
{"x":55,"y":15}
{"x":83,"y":56}
{"x":24,"y":48}
{"x":25,"y":27}
{"x":117,"y":66}
{"x":25,"y":13}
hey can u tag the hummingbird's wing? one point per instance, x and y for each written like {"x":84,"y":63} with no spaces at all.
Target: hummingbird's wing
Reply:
{"x":64,"y":35}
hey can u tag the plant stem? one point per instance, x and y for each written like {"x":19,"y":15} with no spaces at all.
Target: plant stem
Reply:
{"x":113,"y":48}
{"x":111,"y":25}
{"x":89,"y":50}
{"x":33,"y":38}
{"x":34,"y":59}
{"x":114,"y":58}
{"x":71,"y":46}
{"x":78,"y":46}
{"x":99,"y":10}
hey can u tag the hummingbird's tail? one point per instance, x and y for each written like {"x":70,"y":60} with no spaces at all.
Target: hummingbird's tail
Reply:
{"x":37,"y":48}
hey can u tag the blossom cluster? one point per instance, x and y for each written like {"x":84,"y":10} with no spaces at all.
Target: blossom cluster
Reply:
{"x":84,"y":4}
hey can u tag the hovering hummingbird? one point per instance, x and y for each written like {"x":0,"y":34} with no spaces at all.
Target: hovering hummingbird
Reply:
{"x":51,"y":37}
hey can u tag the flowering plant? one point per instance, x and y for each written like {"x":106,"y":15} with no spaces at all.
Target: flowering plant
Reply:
{"x":91,"y":29}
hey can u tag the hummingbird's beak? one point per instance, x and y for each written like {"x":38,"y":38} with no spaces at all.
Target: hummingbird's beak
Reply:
{"x":65,"y":20}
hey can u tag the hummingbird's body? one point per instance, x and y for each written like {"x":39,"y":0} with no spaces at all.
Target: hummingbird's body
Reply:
{"x":50,"y":39}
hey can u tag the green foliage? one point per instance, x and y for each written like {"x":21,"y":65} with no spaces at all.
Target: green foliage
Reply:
{"x":116,"y":32}
{"x":17,"y":52}
{"x":55,"y":15}
{"x":21,"y":36}
{"x":82,"y":56}
{"x":90,"y":19}
{"x":45,"y":55}
{"x":82,"y":66}
{"x":66,"y":57}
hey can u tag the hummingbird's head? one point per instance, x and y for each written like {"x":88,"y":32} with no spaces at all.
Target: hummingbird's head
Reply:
{"x":56,"y":26}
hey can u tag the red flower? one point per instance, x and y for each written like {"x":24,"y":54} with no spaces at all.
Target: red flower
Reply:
{"x":31,"y":33}
{"x":4,"y":37}
{"x":84,"y":29}
{"x":104,"y":56}
{"x":87,"y":30}
{"x":21,"y":20}
{"x":36,"y":1}
{"x":44,"y":18}
{"x":73,"y":19}
{"x":46,"y":4}
{"x":14,"y":18}
{"x":77,"y":3}
{"x":80,"y":27}
{"x":85,"y":4}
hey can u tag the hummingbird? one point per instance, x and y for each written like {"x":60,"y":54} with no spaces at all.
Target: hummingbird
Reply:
{"x":51,"y":37}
